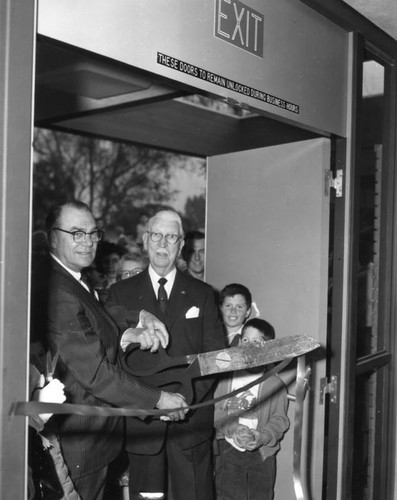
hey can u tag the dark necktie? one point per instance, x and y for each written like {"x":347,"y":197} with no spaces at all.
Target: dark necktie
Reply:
{"x":88,"y":287}
{"x":162,"y":296}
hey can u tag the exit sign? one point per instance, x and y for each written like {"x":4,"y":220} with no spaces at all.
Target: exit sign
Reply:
{"x":240,"y":25}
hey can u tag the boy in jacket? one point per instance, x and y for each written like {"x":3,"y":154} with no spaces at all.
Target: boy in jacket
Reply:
{"x":249,"y":427}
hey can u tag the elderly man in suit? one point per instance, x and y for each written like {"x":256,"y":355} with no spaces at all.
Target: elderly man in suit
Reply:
{"x":187,"y":307}
{"x":87,"y":341}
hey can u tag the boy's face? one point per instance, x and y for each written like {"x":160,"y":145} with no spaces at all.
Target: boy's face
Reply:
{"x":235,"y":311}
{"x":252,"y":335}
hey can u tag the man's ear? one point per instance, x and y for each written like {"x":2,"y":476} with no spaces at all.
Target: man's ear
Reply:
{"x":248,"y":313}
{"x":182,"y":244}
{"x":144,"y":240}
{"x":51,"y":240}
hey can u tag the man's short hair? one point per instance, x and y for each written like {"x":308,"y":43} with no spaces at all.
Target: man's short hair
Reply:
{"x":261,"y":325}
{"x":188,"y":248}
{"x":235,"y":289}
{"x":55,"y":214}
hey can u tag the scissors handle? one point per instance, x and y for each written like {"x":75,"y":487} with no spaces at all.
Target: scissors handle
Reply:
{"x":143,"y":363}
{"x":159,"y":369}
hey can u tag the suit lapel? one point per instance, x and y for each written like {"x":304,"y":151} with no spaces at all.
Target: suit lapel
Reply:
{"x":146,"y":299}
{"x":81,"y":292}
{"x":177,"y":299}
{"x":78,"y":287}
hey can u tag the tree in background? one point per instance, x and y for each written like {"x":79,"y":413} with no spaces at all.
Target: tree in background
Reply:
{"x":118,"y":181}
{"x":195,"y":213}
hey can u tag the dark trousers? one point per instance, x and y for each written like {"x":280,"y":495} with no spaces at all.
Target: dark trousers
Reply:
{"x":91,"y":486}
{"x":190,"y":471}
{"x":243,"y":475}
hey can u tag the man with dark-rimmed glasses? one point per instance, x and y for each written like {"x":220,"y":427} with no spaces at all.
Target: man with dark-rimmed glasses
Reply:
{"x":86,"y":339}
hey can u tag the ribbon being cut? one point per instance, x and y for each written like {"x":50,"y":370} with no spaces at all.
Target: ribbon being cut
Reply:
{"x":157,"y":369}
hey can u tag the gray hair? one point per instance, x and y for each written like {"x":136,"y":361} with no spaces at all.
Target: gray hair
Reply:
{"x":169,"y":216}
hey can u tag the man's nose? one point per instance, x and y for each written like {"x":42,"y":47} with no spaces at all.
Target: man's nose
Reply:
{"x":163,"y":242}
{"x":88,"y":242}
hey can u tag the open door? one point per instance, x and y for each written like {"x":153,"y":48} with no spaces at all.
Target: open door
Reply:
{"x":268,"y":228}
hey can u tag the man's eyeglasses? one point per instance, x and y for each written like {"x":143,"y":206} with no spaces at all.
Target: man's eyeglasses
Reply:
{"x":171,"y":238}
{"x":80,"y":236}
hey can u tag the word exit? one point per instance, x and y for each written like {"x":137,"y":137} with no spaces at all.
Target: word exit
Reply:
{"x":239,"y":25}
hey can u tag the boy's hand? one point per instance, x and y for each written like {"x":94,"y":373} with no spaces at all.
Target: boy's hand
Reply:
{"x":255,"y":442}
{"x":242,"y":435}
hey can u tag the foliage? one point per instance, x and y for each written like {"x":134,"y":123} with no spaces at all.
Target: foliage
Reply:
{"x":195,"y":213}
{"x":111,"y":177}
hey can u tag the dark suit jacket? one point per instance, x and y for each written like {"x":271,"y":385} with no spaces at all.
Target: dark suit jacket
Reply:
{"x":86,"y":338}
{"x":187,"y":336}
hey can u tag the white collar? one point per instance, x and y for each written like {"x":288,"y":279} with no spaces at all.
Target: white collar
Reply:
{"x":76,"y":275}
{"x":154,"y":278}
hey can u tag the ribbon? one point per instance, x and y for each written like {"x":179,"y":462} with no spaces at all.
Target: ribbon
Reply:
{"x":28,"y":408}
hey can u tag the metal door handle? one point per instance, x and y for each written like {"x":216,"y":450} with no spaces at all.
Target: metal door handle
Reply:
{"x":302,"y":386}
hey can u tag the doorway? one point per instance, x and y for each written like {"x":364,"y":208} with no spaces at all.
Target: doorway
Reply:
{"x":274,"y":240}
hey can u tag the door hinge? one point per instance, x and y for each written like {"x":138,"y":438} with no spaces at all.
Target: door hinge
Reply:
{"x":330,"y":388}
{"x":334,"y":182}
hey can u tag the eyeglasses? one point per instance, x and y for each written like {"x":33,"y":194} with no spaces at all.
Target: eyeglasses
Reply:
{"x":253,"y":341}
{"x":132,"y":272}
{"x":80,"y":236}
{"x":169,"y":238}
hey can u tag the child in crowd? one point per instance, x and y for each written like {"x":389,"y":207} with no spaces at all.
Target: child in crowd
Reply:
{"x":249,"y":427}
{"x":235,"y":304}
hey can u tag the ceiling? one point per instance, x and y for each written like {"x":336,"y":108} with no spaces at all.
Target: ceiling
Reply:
{"x":81,"y":93}
{"x":383,"y":13}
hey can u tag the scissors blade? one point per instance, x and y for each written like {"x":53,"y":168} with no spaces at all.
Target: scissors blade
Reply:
{"x":142,"y":363}
{"x":251,"y":355}
{"x":51,"y":363}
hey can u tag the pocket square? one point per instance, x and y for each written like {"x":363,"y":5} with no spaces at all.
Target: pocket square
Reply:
{"x":193,"y":312}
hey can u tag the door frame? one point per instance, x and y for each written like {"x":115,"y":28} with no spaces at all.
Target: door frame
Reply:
{"x":343,"y":362}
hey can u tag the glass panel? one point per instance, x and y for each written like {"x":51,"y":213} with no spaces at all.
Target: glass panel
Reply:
{"x":364,"y":437}
{"x":369,"y":220}
{"x":369,"y":411}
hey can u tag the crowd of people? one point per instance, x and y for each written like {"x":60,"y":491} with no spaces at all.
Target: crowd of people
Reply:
{"x":100,"y":309}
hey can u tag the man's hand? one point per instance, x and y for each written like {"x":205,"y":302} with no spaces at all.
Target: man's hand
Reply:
{"x":141,"y":336}
{"x":155,"y":327}
{"x":53,"y":392}
{"x":169,"y":400}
